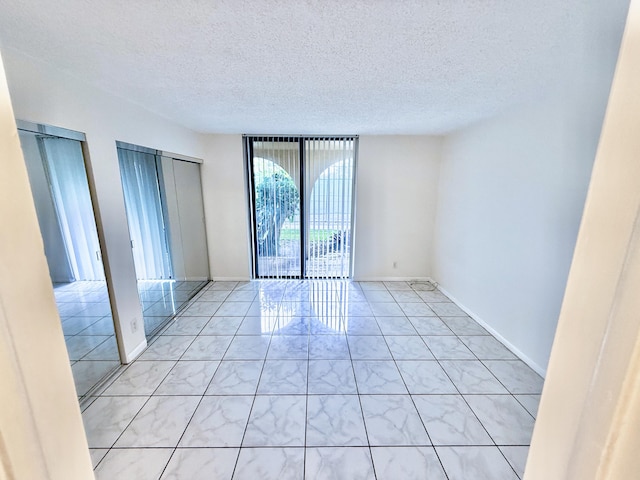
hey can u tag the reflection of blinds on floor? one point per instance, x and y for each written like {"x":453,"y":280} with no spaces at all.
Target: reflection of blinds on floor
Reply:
{"x":302,"y":193}
{"x":329,"y":167}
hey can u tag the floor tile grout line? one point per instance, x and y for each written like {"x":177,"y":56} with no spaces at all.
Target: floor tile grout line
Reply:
{"x":357,"y":389}
{"x":244,"y":433}
{"x":364,"y":422}
{"x":418,"y":413}
{"x":306,"y":413}
{"x":467,"y":403}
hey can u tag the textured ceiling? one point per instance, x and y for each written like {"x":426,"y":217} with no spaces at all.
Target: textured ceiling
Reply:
{"x":314,"y":66}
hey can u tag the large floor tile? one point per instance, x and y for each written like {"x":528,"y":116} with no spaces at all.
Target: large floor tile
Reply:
{"x":381,"y":309}
{"x":186,"y":326}
{"x":471,"y":376}
{"x":365,"y":325}
{"x":208,"y":348}
{"x":373,"y":377}
{"x":408,"y":348}
{"x":167,"y":348}
{"x":447,"y":309}
{"x":140,"y":378}
{"x":335,"y":420}
{"x":87,"y":373}
{"x":331,"y":377}
{"x":97,"y":454}
{"x":339,"y":463}
{"x":288,"y":347}
{"x":236,"y":377}
{"x":416,"y":309}
{"x":283,"y":377}
{"x":448,"y":348}
{"x":430,"y":326}
{"x":530,"y":402}
{"x":107,"y":417}
{"x":270,"y":464}
{"x":328,"y":347}
{"x":233,"y":308}
{"x":393,"y":420}
{"x":133,"y":464}
{"x":248,"y":348}
{"x":222,"y":326}
{"x":292,"y":326}
{"x":487,"y":348}
{"x":450,"y":421}
{"x":160,"y":423}
{"x":188,"y":378}
{"x":516,"y":376}
{"x":369,"y":348}
{"x":395,"y":325}
{"x":505,"y":419}
{"x":464,"y":326}
{"x":201,"y":464}
{"x":425,"y":377}
{"x":477,"y":463}
{"x":517,"y":458}
{"x":407,"y":463}
{"x":218,"y":422}
{"x":277,"y":421}
{"x":201,"y":309}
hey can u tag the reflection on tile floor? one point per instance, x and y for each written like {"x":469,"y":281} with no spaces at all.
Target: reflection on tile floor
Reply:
{"x":317,"y":380}
{"x":88,"y":329}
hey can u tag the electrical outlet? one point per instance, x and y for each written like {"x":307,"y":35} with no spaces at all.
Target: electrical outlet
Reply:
{"x":134,"y":325}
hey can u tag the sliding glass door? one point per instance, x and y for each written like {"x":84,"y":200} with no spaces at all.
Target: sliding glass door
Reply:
{"x":301,"y":191}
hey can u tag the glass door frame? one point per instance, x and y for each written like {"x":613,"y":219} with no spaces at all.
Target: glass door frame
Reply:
{"x":248,"y":151}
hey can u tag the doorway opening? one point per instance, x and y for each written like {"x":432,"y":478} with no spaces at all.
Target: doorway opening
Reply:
{"x":301,"y":209}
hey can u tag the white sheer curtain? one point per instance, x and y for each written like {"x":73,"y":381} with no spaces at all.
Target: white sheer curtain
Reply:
{"x":64,"y":163}
{"x":139,"y":175}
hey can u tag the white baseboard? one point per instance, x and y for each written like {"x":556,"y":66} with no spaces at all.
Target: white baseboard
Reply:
{"x":136,"y":352}
{"x":393,"y":279}
{"x":517,"y":352}
{"x":230,"y":279}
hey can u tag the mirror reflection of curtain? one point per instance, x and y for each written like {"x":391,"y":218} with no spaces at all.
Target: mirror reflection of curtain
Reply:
{"x":139,"y":174}
{"x":64,"y":164}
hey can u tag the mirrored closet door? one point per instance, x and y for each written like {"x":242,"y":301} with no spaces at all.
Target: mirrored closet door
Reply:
{"x":163,"y":198}
{"x":56,"y":167}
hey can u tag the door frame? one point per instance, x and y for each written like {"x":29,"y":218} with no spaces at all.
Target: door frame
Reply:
{"x":248,"y":151}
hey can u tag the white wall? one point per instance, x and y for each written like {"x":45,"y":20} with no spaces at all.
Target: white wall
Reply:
{"x":40,"y":93}
{"x":397,"y":179}
{"x":397,"y":183}
{"x":226,"y":207}
{"x":42,"y":433}
{"x":511,"y":195}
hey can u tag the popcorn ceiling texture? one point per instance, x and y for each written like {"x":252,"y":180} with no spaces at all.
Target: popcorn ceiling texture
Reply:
{"x":314,"y":66}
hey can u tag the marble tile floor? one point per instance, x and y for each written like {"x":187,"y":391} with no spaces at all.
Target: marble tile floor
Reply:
{"x":88,"y":328}
{"x":317,"y":380}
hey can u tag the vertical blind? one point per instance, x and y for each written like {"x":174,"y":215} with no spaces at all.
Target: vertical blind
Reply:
{"x":301,"y":192}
